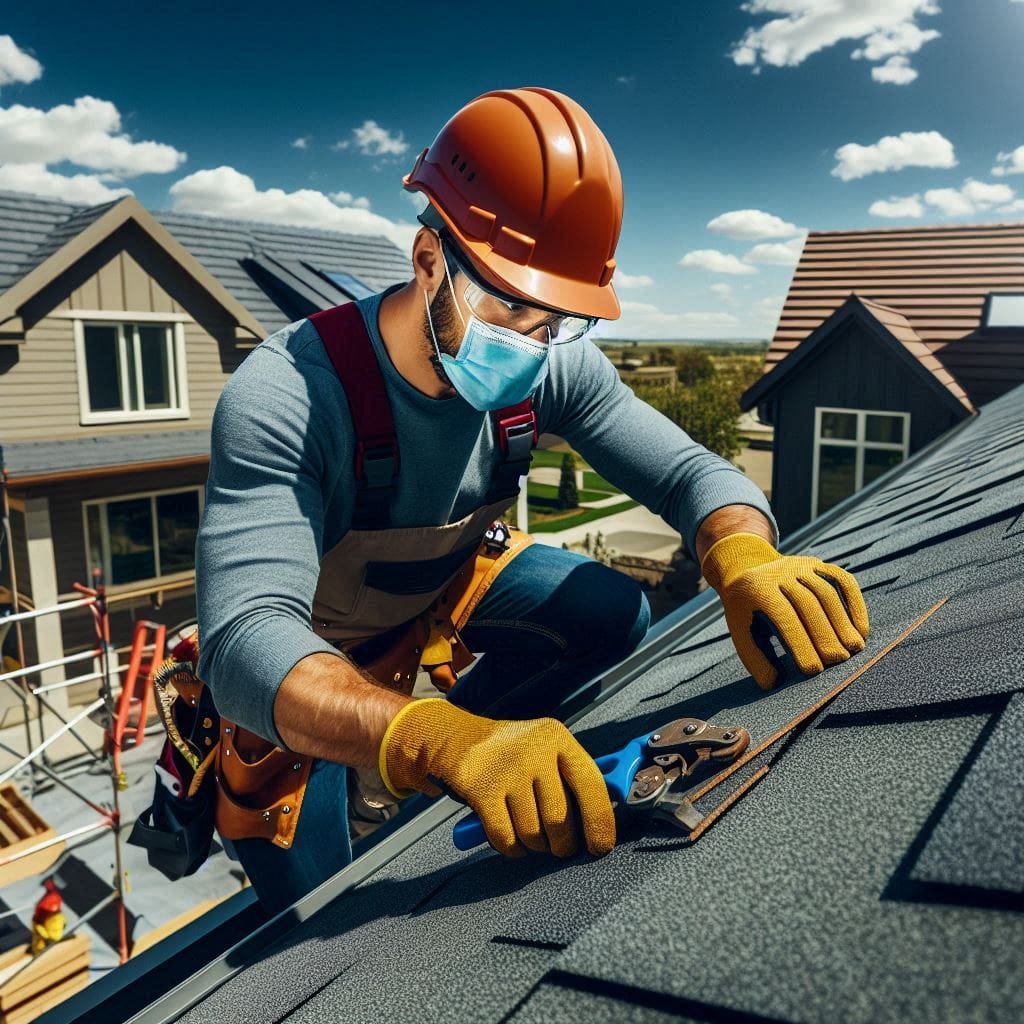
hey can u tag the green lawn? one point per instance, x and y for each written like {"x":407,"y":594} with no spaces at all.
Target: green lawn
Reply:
{"x":535,"y":490}
{"x":544,"y":458}
{"x":541,"y":522}
{"x":595,"y":482}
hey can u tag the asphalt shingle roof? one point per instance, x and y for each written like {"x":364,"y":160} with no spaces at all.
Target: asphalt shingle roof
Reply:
{"x":37,"y":458}
{"x":33,"y":228}
{"x":874,"y":874}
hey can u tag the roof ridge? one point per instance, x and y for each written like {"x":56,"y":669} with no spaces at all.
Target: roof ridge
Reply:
{"x":270,"y":225}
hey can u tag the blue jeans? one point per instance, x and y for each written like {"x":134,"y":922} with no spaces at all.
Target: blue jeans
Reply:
{"x":550,"y":622}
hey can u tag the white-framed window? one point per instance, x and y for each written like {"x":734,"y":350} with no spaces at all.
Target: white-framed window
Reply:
{"x":136,"y":538}
{"x":130,"y":370}
{"x":852,"y":447}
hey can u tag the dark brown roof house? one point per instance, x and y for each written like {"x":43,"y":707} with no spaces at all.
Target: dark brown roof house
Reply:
{"x":886,"y":340}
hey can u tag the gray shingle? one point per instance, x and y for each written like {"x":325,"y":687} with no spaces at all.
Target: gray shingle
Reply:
{"x":31,"y":458}
{"x":843,"y":887}
{"x":33,"y":228}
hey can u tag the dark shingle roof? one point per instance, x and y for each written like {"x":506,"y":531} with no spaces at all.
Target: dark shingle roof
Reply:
{"x":42,"y":458}
{"x":876,"y":872}
{"x":33,"y":228}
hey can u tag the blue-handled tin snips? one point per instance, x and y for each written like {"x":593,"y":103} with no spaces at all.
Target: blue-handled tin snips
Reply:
{"x":643,"y":776}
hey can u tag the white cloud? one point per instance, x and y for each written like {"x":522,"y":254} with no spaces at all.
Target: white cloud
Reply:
{"x":723,"y":290}
{"x":225,"y":192}
{"x":1017,"y":206}
{"x":373,"y":140}
{"x":625,"y":79}
{"x":300,"y":143}
{"x":750,"y":225}
{"x":1012,"y":162}
{"x":417,"y":200}
{"x":647,"y":321}
{"x":781,"y":254}
{"x":87,"y":134}
{"x":342,"y":144}
{"x":624,"y":280}
{"x":886,"y":28}
{"x":16,"y":65}
{"x":769,"y":308}
{"x":343,"y":198}
{"x":897,"y":206}
{"x":895,"y":71}
{"x":716,"y":262}
{"x":972,"y":197}
{"x":38,"y":180}
{"x":892,"y":153}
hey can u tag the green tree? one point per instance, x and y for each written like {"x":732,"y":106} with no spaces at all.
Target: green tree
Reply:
{"x":708,"y":412}
{"x":568,"y":495}
{"x":692,"y":365}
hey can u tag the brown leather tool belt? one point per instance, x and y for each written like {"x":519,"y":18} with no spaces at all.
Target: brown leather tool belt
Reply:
{"x":260,"y":786}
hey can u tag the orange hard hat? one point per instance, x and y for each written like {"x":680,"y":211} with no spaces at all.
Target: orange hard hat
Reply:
{"x":531,"y":191}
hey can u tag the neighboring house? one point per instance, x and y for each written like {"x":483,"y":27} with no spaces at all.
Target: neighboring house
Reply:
{"x":118,"y":330}
{"x":864,"y":866}
{"x":887,"y":338}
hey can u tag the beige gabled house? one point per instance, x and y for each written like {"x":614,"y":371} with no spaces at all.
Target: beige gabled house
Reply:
{"x":118,"y":329}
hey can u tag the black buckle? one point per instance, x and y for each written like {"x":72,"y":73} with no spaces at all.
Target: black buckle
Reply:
{"x":377,"y":464}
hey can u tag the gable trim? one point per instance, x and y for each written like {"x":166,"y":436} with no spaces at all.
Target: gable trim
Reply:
{"x":128,"y":209}
{"x":853,"y":309}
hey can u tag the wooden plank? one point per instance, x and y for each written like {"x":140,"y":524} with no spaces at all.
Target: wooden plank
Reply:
{"x":161,"y":932}
{"x":54,"y":996}
{"x":49,"y":960}
{"x":31,"y":975}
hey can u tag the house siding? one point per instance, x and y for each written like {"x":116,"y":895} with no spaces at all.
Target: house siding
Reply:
{"x":853,"y":371}
{"x":70,"y":555}
{"x":39,"y":378}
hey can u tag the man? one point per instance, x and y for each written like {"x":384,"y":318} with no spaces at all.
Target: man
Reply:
{"x":513,"y":265}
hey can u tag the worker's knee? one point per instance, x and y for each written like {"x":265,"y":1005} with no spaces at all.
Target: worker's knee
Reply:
{"x":613,"y":614}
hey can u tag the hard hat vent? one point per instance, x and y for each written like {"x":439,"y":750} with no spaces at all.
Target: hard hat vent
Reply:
{"x":462,"y":167}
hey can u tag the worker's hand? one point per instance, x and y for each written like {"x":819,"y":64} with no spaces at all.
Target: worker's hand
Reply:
{"x":793,"y":591}
{"x":514,"y":774}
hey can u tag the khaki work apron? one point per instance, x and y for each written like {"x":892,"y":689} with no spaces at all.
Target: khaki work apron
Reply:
{"x":261,"y":786}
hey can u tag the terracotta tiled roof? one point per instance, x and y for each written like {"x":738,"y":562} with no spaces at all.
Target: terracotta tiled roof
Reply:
{"x":937,"y":277}
{"x":899,"y":327}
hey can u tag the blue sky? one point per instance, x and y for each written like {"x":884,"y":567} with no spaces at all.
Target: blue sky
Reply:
{"x":758,"y":118}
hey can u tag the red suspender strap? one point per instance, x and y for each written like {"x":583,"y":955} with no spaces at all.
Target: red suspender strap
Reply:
{"x":348,"y":345}
{"x":517,"y":429}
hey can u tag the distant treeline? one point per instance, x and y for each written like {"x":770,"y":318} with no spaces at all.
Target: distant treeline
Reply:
{"x":731,"y":347}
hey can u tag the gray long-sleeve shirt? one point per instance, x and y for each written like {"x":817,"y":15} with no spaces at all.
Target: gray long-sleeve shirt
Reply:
{"x":280,"y":491}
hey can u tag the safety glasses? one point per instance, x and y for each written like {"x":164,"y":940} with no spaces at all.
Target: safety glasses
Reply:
{"x":545,"y":325}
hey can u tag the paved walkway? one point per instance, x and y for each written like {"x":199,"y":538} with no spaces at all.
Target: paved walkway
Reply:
{"x":637,"y":531}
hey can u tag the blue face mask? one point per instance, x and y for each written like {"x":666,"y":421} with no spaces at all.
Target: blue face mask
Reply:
{"x":495,"y":366}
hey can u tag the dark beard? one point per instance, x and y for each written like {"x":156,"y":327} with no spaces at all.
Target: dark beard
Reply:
{"x":447,"y":330}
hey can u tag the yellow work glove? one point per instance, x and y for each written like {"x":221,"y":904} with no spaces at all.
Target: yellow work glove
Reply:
{"x":514,"y":774}
{"x":794,"y":592}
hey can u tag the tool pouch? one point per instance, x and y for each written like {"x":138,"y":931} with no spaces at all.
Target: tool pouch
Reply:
{"x":176,"y":830}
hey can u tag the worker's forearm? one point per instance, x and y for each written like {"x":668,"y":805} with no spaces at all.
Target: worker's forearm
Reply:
{"x":326,"y":707}
{"x":731,"y":519}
